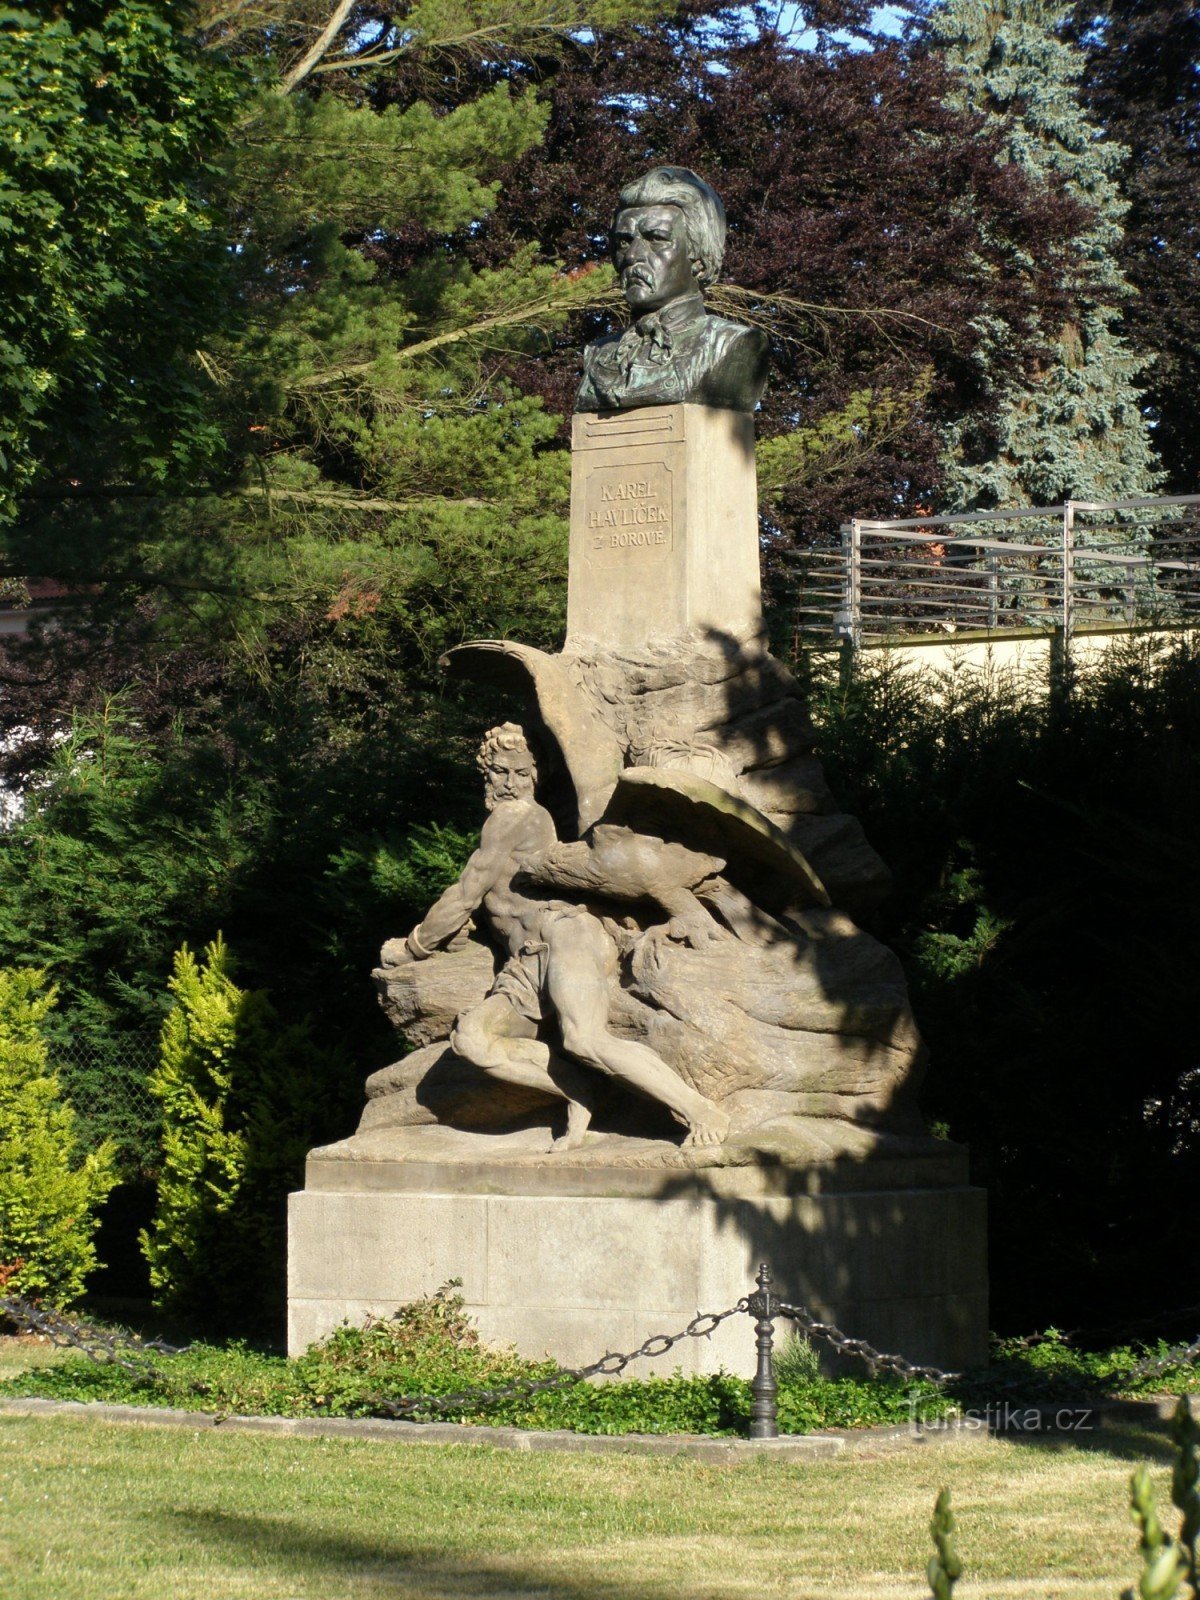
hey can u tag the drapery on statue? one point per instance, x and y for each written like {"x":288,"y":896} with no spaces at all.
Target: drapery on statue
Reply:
{"x":668,"y":241}
{"x":561,"y":961}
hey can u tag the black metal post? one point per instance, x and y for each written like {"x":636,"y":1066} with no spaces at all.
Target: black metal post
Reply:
{"x":764,"y":1307}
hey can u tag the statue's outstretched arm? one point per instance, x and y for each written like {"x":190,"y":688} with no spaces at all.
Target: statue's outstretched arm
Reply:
{"x":454,"y":908}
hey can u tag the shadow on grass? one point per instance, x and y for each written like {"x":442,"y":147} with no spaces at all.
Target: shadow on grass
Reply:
{"x":1123,"y":1438}
{"x":393,"y":1568}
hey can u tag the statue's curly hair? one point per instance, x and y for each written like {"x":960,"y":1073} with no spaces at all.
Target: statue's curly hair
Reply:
{"x":508,"y":736}
{"x":703,"y":213}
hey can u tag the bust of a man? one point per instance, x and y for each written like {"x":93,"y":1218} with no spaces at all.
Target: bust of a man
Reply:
{"x":668,"y":240}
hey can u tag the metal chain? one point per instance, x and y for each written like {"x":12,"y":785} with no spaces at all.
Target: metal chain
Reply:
{"x":875,"y":1360}
{"x":99,"y":1344}
{"x":105,"y":1347}
{"x":1084,"y":1385}
{"x":1071,"y":1336}
{"x":611,"y":1365}
{"x":1179,"y":1356}
{"x":130,"y":1352}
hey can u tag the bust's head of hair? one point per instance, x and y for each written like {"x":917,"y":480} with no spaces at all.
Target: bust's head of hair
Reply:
{"x":703,"y":213}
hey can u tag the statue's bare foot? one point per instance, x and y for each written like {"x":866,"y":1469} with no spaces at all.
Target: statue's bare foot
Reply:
{"x":579,"y":1119}
{"x":707,"y":1127}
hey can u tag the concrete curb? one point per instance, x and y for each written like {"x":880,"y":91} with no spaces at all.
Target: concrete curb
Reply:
{"x":794,"y":1447}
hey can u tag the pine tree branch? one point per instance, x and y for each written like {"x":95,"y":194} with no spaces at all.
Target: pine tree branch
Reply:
{"x":493,"y":31}
{"x":308,"y":62}
{"x":351,"y":502}
{"x":549,"y":305}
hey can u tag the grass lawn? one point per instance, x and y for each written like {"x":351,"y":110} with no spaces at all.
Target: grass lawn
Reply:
{"x":19,"y":1355}
{"x":104,"y":1511}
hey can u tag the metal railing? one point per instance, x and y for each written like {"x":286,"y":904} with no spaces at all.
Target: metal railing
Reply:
{"x":1033,"y":570}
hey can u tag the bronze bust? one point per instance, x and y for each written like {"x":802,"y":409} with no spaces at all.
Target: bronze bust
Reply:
{"x":668,"y":240}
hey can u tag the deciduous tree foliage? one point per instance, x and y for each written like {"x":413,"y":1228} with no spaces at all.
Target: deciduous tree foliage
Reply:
{"x":873,"y":229}
{"x":113,"y":256}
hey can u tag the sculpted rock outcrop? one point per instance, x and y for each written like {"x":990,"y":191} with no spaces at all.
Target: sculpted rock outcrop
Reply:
{"x":712,"y":977}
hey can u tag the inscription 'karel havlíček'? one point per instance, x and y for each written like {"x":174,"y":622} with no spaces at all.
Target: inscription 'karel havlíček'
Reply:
{"x":625,"y":513}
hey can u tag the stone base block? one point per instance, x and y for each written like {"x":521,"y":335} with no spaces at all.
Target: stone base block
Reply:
{"x":575,"y":1274}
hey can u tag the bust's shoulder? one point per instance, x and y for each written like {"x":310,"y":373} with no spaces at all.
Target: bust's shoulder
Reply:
{"x":726,"y":333}
{"x":736,"y":361}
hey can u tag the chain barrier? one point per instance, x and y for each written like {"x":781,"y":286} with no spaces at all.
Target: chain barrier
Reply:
{"x":876,"y":1361}
{"x":101,"y":1345}
{"x":130,"y":1353}
{"x":124,"y":1350}
{"x":1178,"y":1356}
{"x":611,"y":1365}
{"x":1072,"y":1336}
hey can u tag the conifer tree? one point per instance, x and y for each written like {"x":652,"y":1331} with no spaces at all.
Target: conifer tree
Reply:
{"x":242,"y":1097}
{"x":368,"y":456}
{"x":1142,"y":85}
{"x":1074,"y":427}
{"x":49,"y":1189}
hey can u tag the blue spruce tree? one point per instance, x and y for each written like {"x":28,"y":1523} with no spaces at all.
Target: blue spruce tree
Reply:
{"x":1073,"y":427}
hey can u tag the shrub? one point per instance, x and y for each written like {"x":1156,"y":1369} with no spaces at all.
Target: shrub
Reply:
{"x":49,"y":1192}
{"x":241,"y":1098}
{"x":1046,"y":876}
{"x":797,"y":1360}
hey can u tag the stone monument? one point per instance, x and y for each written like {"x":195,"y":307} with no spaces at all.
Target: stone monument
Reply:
{"x":649,"y":1044}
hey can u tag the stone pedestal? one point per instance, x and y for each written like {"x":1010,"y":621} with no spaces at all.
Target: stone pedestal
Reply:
{"x":574,"y":1259}
{"x":664,"y":526}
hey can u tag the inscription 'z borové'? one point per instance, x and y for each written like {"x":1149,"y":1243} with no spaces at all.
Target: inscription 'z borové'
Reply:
{"x":628,"y":509}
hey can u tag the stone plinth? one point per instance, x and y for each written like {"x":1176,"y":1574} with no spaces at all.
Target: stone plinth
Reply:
{"x":664,"y":525}
{"x":573,"y":1259}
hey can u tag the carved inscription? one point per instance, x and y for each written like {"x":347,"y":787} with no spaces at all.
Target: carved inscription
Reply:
{"x":627,"y":512}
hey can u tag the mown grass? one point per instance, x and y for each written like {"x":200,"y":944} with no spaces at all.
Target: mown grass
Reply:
{"x":104,"y":1511}
{"x":24,"y":1355}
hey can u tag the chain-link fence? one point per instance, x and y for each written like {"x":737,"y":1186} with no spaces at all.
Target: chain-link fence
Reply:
{"x":105,"y":1079}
